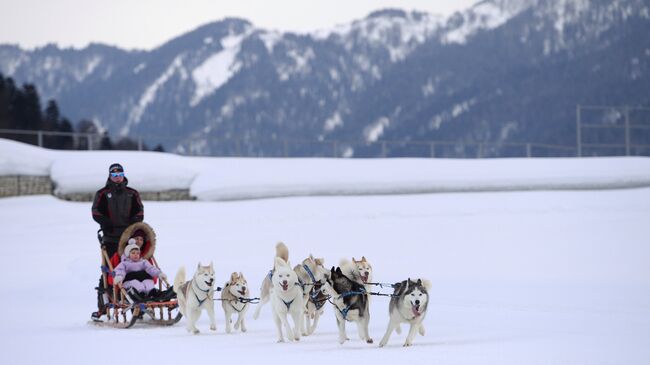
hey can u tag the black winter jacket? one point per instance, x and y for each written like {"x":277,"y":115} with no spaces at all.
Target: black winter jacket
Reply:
{"x":115,"y":207}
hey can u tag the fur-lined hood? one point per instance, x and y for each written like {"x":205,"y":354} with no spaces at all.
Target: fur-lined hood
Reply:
{"x":149,"y":246}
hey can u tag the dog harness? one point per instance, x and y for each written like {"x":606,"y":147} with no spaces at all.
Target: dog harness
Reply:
{"x":197,"y":296}
{"x":311,"y":275}
{"x":344,"y":312}
{"x":288,"y":304}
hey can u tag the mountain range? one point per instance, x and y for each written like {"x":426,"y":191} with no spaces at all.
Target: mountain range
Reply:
{"x":500,"y":72}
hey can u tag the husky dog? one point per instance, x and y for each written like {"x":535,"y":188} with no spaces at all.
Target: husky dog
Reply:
{"x":351,"y":303}
{"x":281,"y":250}
{"x":359,"y":271}
{"x":286,"y":298}
{"x":195,"y":295}
{"x":408,"y":304}
{"x":312,"y":274}
{"x":234,"y":290}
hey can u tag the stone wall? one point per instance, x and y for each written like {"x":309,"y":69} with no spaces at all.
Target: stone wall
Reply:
{"x":167,"y":195}
{"x":16,"y":185}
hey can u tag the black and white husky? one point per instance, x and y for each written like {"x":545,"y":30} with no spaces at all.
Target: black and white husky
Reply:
{"x":350,"y":301}
{"x":409,"y":305}
{"x":195,"y":295}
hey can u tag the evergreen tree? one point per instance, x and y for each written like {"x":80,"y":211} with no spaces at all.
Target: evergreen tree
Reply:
{"x":105,"y":143}
{"x":87,"y":126}
{"x":51,"y":123}
{"x":65,"y":142}
{"x":6,"y":90}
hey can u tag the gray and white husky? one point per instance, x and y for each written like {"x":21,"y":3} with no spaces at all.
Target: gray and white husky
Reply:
{"x":195,"y":295}
{"x":312,"y":274}
{"x":408,"y":304}
{"x":350,"y":300}
{"x":234,"y":290}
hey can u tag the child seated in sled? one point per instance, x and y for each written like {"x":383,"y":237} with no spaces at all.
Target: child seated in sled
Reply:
{"x":136,"y":274}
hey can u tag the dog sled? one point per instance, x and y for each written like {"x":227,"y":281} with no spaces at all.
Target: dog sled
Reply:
{"x":122,"y":309}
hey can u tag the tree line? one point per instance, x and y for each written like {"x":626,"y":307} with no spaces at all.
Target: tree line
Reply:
{"x":20,"y":109}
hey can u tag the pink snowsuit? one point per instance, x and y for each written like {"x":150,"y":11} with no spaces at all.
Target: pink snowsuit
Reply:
{"x":127,"y":266}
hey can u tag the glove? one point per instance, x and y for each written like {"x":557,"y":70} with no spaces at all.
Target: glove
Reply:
{"x":162,"y":276}
{"x":117,"y":280}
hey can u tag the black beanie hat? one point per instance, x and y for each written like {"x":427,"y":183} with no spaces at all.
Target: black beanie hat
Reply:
{"x":116,"y":167}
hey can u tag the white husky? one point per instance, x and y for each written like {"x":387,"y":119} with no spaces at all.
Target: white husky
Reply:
{"x":231,"y":300}
{"x":195,"y":295}
{"x":284,"y":291}
{"x":408,"y":304}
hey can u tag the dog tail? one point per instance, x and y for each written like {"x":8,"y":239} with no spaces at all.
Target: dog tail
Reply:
{"x":282,"y":251}
{"x":179,"y":280}
{"x":427,"y":284}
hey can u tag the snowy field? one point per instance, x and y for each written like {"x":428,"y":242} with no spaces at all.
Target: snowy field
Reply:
{"x":519,"y":277}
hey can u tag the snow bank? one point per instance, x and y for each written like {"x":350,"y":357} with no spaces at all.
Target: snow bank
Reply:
{"x":251,"y":178}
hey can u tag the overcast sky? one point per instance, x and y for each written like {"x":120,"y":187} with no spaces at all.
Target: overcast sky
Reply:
{"x":146,"y":24}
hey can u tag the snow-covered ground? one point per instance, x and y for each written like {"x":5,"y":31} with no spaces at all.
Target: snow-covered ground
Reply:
{"x":523,"y":277}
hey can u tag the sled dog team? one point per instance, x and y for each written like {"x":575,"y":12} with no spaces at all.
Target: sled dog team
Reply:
{"x":301,"y":293}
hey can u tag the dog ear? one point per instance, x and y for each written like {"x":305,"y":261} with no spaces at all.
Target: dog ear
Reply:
{"x":241,"y":276}
{"x":363,"y":259}
{"x":408,"y":282}
{"x":319,"y":261}
{"x":354,"y":261}
{"x":233,"y":277}
{"x":419,"y":283}
{"x":338,"y":271}
{"x":198,"y":266}
{"x":211,"y":266}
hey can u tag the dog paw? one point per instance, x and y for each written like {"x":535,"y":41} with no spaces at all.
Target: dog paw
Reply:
{"x":407,"y":344}
{"x":369,"y":340}
{"x":243,"y":329}
{"x":195,"y":331}
{"x":281,"y":340}
{"x":213,"y":328}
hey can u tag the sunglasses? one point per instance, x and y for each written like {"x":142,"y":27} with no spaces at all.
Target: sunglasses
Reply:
{"x":116,"y":174}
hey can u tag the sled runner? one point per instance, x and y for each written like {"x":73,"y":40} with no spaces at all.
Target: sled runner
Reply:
{"x":122,"y":309}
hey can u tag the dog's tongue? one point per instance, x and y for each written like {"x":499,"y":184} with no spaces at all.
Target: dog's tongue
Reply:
{"x":416,"y":310}
{"x":365,"y":277}
{"x":285,"y":287}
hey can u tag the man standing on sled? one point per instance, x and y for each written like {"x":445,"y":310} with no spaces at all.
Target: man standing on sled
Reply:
{"x":115,"y":207}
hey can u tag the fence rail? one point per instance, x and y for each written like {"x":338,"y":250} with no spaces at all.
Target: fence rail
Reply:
{"x":240,"y":147}
{"x":384,"y":147}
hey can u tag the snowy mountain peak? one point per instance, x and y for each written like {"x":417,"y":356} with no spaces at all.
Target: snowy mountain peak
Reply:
{"x":387,"y":13}
{"x":485,"y":15}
